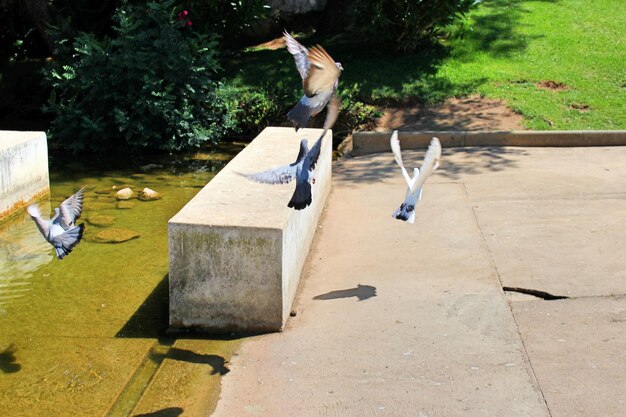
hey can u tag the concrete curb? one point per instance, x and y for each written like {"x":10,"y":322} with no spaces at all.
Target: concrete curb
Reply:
{"x":371,"y":142}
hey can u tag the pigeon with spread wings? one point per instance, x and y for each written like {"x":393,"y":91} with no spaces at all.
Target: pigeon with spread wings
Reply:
{"x":302,"y":168}
{"x":415,"y":184}
{"x":61,"y":230}
{"x":320,"y":78}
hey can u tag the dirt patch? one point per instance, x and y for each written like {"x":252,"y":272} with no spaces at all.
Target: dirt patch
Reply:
{"x":552,"y":85}
{"x":468,"y":113}
{"x":583,"y":108}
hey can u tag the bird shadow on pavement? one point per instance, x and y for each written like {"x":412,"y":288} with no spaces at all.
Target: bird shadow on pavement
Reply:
{"x":218,"y":363}
{"x":166,"y":412}
{"x":362,"y":292}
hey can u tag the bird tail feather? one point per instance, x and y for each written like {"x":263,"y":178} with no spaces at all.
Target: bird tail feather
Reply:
{"x":299,"y":115}
{"x":301,"y":196}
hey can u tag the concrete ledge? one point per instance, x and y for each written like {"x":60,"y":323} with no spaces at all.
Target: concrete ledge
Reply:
{"x":236,"y":250}
{"x":23,"y":169}
{"x":371,"y":142}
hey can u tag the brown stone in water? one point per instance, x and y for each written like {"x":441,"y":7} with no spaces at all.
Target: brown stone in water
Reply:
{"x":124,"y":205}
{"x":100,"y":220}
{"x":148,"y":195}
{"x":124,"y":194}
{"x":112,"y":235}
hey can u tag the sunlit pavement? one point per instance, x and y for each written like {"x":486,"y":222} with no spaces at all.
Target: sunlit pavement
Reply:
{"x":398,"y":319}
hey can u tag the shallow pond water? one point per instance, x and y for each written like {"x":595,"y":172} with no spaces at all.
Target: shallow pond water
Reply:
{"x":74,"y":331}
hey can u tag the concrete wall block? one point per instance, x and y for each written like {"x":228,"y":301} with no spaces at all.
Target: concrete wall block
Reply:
{"x":236,"y":250}
{"x":225,"y":278}
{"x":23,"y":169}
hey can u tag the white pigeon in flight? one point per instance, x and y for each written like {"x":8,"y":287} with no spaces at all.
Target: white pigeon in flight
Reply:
{"x":61,"y":231}
{"x":302,"y":168}
{"x":415,"y":185}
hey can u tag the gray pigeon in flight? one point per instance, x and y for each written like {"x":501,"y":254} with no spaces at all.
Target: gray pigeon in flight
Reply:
{"x":320,"y":78}
{"x":61,"y":231}
{"x":415,"y":185}
{"x":302,"y":168}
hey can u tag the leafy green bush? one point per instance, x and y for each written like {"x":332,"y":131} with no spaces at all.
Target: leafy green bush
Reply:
{"x":257,"y":108}
{"x":154,"y":85}
{"x":404,"y":24}
{"x":355,"y":114}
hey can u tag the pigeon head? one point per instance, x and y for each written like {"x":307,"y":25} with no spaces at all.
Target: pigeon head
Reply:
{"x":339,"y":65}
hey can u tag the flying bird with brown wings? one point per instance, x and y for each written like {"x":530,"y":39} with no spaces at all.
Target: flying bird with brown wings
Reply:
{"x":320,"y":78}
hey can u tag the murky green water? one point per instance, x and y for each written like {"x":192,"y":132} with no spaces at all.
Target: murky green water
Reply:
{"x":73,"y":332}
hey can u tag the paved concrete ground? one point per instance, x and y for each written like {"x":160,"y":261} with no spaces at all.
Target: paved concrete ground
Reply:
{"x":396,"y":319}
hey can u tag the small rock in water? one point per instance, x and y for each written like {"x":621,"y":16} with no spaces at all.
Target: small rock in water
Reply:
{"x":124,"y":194}
{"x":100,"y":220}
{"x":112,"y":235}
{"x":124,"y":205}
{"x":148,"y":195}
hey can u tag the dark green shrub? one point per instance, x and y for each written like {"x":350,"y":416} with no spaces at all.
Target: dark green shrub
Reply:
{"x":404,"y":24}
{"x":154,"y":85}
{"x":355,"y":114}
{"x":260,"y":107}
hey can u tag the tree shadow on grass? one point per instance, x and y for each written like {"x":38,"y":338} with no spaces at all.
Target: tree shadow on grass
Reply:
{"x":381,"y":76}
{"x":495,"y":32}
{"x":373,"y":74}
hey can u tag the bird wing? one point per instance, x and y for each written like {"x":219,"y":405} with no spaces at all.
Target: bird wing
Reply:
{"x":331,"y":116}
{"x":300,"y":54}
{"x":311,"y":158}
{"x":64,"y":243}
{"x":304,"y":149}
{"x":431,"y":162}
{"x":332,"y":112}
{"x":323,"y":72}
{"x":42,"y":225}
{"x":283,"y":174}
{"x":278,"y":175}
{"x":71,"y":209}
{"x":397,"y":154}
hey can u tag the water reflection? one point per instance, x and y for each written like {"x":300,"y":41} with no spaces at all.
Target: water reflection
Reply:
{"x":22,"y":251}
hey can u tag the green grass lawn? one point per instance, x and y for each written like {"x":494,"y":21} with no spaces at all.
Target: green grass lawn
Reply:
{"x":506,"y":47}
